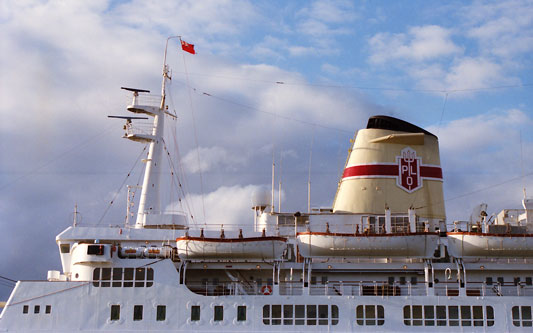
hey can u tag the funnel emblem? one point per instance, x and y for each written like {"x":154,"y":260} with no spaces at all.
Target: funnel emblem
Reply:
{"x":409,"y":170}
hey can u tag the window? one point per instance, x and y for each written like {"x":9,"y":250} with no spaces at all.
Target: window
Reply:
{"x":522,"y":316}
{"x":219,"y":313}
{"x":441,"y":315}
{"x":128,"y":277}
{"x":488,"y":281}
{"x":115,"y":312}
{"x":48,"y":309}
{"x":516,"y":281}
{"x":288,"y":314}
{"x":117,"y":277}
{"x":149,"y":277}
{"x":500,"y":280}
{"x":123,"y":277}
{"x":370,"y":315}
{"x":276,"y":314}
{"x":25,"y":309}
{"x":96,"y":277}
{"x":241,"y":313}
{"x":311,"y":314}
{"x":106,"y":277}
{"x":334,"y":315}
{"x":161,"y":312}
{"x":36,"y":309}
{"x":195,"y":313}
{"x":64,"y":248}
{"x":137,"y":312}
{"x":529,"y":282}
{"x":139,"y":277}
{"x":97,"y":250}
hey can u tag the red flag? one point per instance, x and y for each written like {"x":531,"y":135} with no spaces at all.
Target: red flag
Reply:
{"x":187,"y":47}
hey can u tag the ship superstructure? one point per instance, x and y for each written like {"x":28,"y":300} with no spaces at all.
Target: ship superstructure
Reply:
{"x":380,"y":259}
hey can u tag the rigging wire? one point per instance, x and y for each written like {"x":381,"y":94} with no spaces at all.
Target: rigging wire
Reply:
{"x":122,"y":185}
{"x":195,"y":137}
{"x":180,"y":174}
{"x":478,"y":190}
{"x":180,"y":187}
{"x":361,"y":87}
{"x":55,"y":158}
{"x":8,"y":279}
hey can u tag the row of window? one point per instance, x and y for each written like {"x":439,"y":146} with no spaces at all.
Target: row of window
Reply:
{"x":161,"y":312}
{"x":218,"y":313}
{"x":522,"y":316}
{"x":451,"y":315}
{"x":37,"y":309}
{"x":300,"y":314}
{"x":369,"y":315}
{"x":123,"y":277}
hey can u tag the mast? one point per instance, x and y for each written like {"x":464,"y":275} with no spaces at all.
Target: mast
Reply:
{"x":149,"y":212}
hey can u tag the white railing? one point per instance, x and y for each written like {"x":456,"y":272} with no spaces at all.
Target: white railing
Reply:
{"x":360,"y":288}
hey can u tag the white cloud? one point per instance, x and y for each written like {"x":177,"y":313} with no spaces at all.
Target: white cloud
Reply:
{"x":206,"y":159}
{"x":227,"y":205}
{"x":502,"y":28}
{"x":463,"y":73}
{"x":481,"y":161}
{"x":419,"y":44}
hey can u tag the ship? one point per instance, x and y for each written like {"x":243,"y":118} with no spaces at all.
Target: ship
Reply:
{"x":382,"y":259}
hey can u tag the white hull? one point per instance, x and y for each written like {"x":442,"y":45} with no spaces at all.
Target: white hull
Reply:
{"x":473,"y":245}
{"x":420,"y":245}
{"x":270,"y":248}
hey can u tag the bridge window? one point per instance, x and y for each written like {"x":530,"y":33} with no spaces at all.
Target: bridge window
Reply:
{"x":123,"y":277}
{"x":25,"y":309}
{"x":36,"y":309}
{"x":48,"y":309}
{"x":97,"y":250}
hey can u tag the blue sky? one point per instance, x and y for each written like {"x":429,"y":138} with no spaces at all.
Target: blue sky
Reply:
{"x":63,"y":63}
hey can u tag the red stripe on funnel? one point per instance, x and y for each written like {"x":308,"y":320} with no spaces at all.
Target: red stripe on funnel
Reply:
{"x":388,"y":170}
{"x":430,"y":172}
{"x":371,"y":170}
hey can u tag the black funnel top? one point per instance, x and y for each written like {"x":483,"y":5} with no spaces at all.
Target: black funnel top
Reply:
{"x":394,"y":124}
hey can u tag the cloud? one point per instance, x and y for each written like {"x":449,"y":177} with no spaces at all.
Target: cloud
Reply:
{"x":481,"y":160}
{"x":206,"y":159}
{"x":234,"y":201}
{"x":464,"y":73}
{"x":419,"y":44}
{"x":503,"y":28}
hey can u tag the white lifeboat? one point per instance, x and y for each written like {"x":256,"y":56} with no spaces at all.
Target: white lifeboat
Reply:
{"x":490,"y":245}
{"x":244,"y":248}
{"x":324,"y":244}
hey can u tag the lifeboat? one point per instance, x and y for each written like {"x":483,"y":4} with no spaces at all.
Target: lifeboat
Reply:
{"x":489,"y":245}
{"x":411,"y":245}
{"x":243,"y":248}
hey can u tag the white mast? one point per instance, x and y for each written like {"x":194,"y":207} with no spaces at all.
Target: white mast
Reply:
{"x":149,"y":212}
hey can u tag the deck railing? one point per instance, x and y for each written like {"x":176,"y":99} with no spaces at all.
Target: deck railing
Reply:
{"x":362,"y":288}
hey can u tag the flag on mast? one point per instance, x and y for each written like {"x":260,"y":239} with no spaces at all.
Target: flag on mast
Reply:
{"x":187,"y":47}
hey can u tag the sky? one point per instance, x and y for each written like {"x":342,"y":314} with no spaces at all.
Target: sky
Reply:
{"x":289,"y":80}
